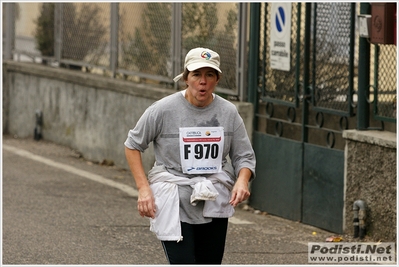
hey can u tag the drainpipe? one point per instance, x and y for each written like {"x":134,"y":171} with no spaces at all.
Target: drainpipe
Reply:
{"x":359,"y":217}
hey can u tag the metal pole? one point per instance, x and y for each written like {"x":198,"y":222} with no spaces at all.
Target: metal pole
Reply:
{"x":242,"y":51}
{"x":363,"y":107}
{"x":253,"y":66}
{"x":298,"y":58}
{"x":58,"y":30}
{"x":306,"y":75}
{"x":352,"y":56}
{"x":9,"y":34}
{"x":176,"y":47}
{"x":114,"y":38}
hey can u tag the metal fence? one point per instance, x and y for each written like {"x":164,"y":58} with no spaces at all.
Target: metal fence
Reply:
{"x":333,"y":62}
{"x":146,"y":43}
{"x":384,"y":82}
{"x":331,"y":59}
{"x":140,"y":42}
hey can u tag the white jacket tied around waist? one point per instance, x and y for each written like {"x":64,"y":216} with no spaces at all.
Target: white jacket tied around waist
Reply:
{"x":215,"y":190}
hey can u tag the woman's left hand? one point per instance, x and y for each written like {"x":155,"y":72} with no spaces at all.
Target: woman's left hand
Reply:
{"x":240,"y":190}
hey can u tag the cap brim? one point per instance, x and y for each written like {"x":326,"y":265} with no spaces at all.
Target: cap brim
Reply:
{"x":178,"y":77}
{"x":199,"y":65}
{"x":196,"y":66}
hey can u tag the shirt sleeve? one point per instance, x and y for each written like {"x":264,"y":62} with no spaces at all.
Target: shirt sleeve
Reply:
{"x":241,"y":152}
{"x":145,"y":131}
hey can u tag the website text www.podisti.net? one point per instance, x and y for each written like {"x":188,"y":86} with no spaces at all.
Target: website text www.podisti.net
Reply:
{"x":327,"y":252}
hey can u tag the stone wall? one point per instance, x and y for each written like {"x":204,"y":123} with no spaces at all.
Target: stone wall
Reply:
{"x":371,"y":176}
{"x":87,"y":112}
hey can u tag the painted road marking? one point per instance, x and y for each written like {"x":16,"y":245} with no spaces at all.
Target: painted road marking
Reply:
{"x":235,"y":220}
{"x":94,"y":177}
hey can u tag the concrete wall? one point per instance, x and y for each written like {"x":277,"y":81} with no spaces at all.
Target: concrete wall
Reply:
{"x":86,"y":112}
{"x":371,"y":176}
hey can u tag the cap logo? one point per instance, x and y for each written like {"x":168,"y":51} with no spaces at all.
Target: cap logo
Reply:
{"x":206,"y":55}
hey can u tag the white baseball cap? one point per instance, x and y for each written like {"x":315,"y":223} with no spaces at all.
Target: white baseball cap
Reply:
{"x":199,"y":58}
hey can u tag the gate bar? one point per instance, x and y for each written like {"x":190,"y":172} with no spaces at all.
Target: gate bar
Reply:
{"x":363,"y":108}
{"x":254,"y":33}
{"x":9,"y":37}
{"x":114,"y":36}
{"x":308,"y":19}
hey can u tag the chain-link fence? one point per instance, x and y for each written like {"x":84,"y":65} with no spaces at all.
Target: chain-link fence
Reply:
{"x":145,"y":39}
{"x":332,"y":62}
{"x":132,"y":41}
{"x":85,"y":32}
{"x":147,"y":42}
{"x":384,"y":82}
{"x":275,"y":83}
{"x":333,"y":55}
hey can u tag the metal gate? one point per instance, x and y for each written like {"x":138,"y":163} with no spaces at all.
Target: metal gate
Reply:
{"x":301,"y":112}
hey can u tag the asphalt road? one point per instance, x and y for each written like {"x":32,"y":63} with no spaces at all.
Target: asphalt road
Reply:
{"x":59,"y":208}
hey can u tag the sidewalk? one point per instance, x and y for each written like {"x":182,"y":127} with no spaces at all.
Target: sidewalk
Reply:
{"x":269,"y":239}
{"x":253,"y":237}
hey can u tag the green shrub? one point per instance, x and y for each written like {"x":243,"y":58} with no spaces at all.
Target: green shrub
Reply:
{"x":83,"y":32}
{"x":44,"y":33}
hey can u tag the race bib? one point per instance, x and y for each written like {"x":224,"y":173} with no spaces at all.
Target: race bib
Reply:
{"x":201,"y":149}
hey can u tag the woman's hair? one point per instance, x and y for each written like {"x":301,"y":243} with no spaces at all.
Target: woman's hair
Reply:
{"x":186,"y":72}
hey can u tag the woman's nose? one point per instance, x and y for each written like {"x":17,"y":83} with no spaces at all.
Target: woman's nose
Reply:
{"x":203,"y":79}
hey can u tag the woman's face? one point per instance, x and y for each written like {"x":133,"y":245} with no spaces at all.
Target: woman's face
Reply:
{"x":200,"y":85}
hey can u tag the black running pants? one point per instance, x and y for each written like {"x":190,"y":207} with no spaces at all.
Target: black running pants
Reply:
{"x":201,"y":244}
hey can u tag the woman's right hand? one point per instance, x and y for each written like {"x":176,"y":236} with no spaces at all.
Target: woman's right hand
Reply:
{"x":146,"y":202}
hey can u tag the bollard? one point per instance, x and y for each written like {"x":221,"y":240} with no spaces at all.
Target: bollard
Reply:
{"x":39,"y":123}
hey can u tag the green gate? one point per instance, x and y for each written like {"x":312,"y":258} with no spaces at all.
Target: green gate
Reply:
{"x":301,"y":111}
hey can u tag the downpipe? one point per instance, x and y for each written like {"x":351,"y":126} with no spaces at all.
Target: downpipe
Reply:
{"x":359,"y":218}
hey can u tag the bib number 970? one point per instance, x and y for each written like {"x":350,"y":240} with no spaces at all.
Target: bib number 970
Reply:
{"x":202,"y":151}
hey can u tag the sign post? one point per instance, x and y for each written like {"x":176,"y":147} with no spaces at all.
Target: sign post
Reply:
{"x":280,"y":36}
